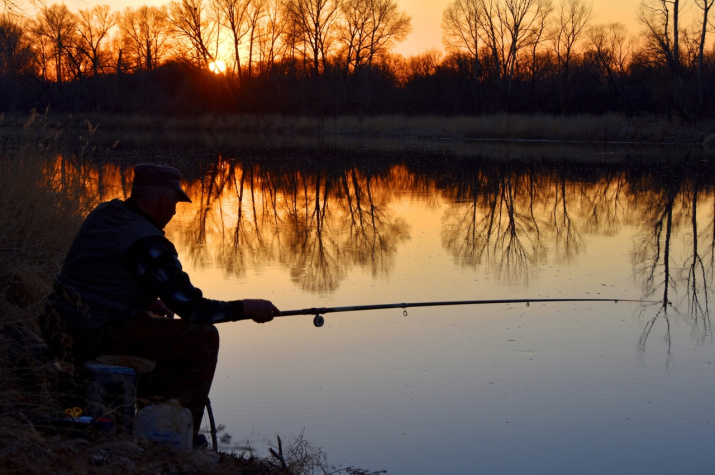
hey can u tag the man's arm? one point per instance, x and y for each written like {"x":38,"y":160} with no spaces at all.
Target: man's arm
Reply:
{"x":156,"y":263}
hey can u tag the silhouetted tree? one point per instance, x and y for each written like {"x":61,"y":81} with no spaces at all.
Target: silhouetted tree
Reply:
{"x":55,"y":30}
{"x":145,"y":36}
{"x":571,"y":21}
{"x":315,"y":22}
{"x":194,"y":30}
{"x":93,"y":32}
{"x":16,"y":52}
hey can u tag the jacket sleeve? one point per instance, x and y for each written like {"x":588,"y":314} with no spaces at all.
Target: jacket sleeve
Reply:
{"x":155,"y":261}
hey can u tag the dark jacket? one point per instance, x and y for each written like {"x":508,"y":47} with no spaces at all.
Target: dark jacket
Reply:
{"x":119,"y":264}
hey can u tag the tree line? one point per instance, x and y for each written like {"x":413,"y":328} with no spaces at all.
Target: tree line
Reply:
{"x":337,"y":57}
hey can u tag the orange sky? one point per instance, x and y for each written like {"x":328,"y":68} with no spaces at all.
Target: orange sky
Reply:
{"x":427,"y":18}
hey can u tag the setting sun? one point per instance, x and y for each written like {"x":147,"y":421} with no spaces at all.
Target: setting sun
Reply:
{"x":218,"y":67}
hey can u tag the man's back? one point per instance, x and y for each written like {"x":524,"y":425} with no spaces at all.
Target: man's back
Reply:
{"x":96,"y":268}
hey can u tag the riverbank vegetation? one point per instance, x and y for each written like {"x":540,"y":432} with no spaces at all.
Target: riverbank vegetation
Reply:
{"x":41,"y":208}
{"x":116,"y":128}
{"x":336,"y":58}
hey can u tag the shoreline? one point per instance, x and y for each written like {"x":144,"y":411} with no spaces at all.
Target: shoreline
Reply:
{"x":578,"y":129}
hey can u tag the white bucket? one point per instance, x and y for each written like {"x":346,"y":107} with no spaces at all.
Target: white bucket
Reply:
{"x":169,"y":423}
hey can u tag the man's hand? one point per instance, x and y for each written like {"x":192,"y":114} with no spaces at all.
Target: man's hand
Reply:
{"x":160,"y":309}
{"x":261,"y":311}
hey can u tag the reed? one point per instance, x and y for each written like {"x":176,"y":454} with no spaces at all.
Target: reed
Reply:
{"x":39,"y":215}
{"x":40,"y":212}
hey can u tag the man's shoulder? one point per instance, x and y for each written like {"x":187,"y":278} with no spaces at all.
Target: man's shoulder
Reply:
{"x":108,"y":206}
{"x":119,"y":223}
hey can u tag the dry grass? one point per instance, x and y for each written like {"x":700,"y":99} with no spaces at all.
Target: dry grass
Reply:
{"x":40,"y":212}
{"x":589,"y":128}
{"x":603,"y":128}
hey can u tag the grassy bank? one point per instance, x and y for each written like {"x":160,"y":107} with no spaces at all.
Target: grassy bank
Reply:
{"x":41,"y":208}
{"x":605,"y":128}
{"x":581,"y":128}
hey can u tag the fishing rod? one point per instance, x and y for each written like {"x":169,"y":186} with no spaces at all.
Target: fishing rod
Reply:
{"x":319,"y":320}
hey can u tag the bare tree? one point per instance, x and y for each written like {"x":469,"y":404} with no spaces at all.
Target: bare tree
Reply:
{"x":461,"y":25}
{"x":191,"y":23}
{"x":661,"y":19}
{"x":234,"y":16}
{"x":369,"y":28}
{"x":611,"y":50}
{"x":146,"y":35}
{"x":93,"y":28}
{"x":256,"y":14}
{"x":388,"y":26}
{"x":18,"y":7}
{"x":502,"y":28}
{"x":271,"y":39}
{"x":540,"y":59}
{"x":509,"y":28}
{"x":353,"y":33}
{"x":573,"y":17}
{"x":55,"y":27}
{"x":315,"y":20}
{"x":16,"y":52}
{"x":705,"y":6}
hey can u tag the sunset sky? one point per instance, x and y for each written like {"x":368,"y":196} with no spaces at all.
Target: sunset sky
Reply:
{"x":427,"y":20}
{"x":427,"y":17}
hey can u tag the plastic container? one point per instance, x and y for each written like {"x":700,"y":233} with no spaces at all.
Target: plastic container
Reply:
{"x":169,"y":423}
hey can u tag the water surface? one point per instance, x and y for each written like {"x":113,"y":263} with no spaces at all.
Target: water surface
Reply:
{"x":588,"y":387}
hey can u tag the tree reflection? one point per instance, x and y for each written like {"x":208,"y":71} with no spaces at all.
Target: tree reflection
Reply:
{"x":654,"y":250}
{"x":373,"y":233}
{"x":661,"y":315}
{"x":316,"y":222}
{"x":605,"y":206}
{"x":653,"y":253}
{"x":507,"y":217}
{"x":320,"y":219}
{"x":497,"y":219}
{"x":568,"y":241}
{"x":673,"y":196}
{"x":467,"y":233}
{"x":697,"y":282}
{"x":315,"y":257}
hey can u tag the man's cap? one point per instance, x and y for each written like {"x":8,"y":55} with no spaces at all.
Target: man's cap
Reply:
{"x":150,"y":175}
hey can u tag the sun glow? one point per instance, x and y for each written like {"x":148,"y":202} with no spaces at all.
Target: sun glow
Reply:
{"x":218,"y":67}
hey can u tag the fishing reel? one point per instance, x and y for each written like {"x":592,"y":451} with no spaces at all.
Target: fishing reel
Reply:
{"x":318,"y":321}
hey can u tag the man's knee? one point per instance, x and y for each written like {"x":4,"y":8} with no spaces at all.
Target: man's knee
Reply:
{"x":205,"y":336}
{"x":210,"y":333}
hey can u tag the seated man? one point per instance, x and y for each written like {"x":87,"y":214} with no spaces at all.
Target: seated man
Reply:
{"x":122,"y":281}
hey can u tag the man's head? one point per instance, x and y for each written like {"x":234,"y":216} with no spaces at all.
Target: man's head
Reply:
{"x":156,"y":189}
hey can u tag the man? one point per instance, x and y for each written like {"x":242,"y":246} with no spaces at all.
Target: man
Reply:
{"x":121,"y":283}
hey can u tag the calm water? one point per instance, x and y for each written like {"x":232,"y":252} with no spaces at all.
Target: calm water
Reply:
{"x":591,"y":387}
